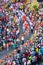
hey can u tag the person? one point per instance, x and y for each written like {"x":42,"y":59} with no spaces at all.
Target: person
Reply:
{"x":28,"y":62}
{"x":8,"y":63}
{"x":24,"y":61}
{"x":7,"y":47}
{"x":22,"y":39}
{"x":17,"y":32}
{"x":13,"y":63}
{"x":6,"y":58}
{"x":41,"y":50}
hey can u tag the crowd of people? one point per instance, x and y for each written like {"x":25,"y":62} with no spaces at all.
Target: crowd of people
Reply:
{"x":15,"y":21}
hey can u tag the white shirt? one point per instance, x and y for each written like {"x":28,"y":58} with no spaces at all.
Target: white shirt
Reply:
{"x":3,"y":44}
{"x":28,"y":62}
{"x":17,"y":32}
{"x":22,"y":38}
{"x":14,"y":63}
{"x":18,"y":40}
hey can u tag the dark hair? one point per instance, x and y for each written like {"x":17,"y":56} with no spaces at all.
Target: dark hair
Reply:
{"x":18,"y":51}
